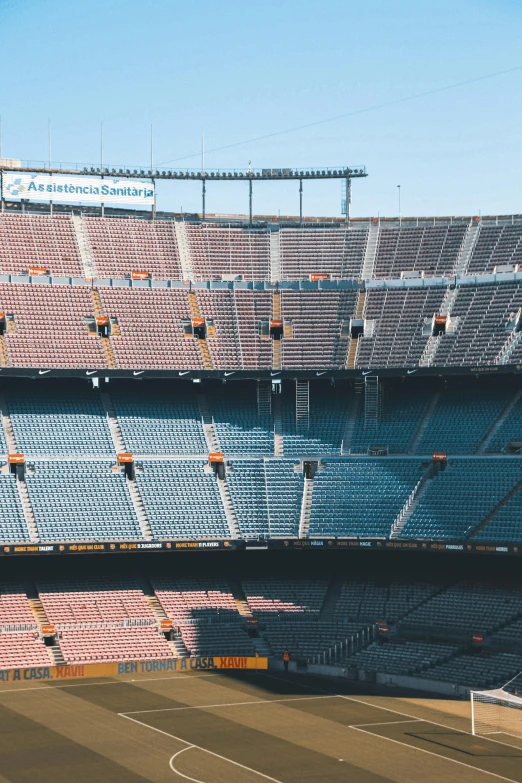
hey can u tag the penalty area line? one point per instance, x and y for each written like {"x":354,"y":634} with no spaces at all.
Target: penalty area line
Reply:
{"x":198,"y":747}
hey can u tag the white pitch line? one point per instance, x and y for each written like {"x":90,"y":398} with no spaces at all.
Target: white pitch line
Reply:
{"x":437,"y":755}
{"x":97,"y":684}
{"x":176,"y":771}
{"x":386,"y":723}
{"x":235,"y":704}
{"x":199,"y":747}
{"x":388,"y":709}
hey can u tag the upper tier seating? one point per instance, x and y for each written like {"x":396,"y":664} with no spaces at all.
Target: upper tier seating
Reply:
{"x":159,"y":422}
{"x":339,"y":252}
{"x":12,"y":523}
{"x":39,"y":241}
{"x":316,"y":317}
{"x":496,"y":245}
{"x":251,"y":308}
{"x":239,"y":428}
{"x":14,"y":607}
{"x":483,"y":314}
{"x":247,"y":484}
{"x":361,"y":497}
{"x":225,"y":347}
{"x":402,"y":411}
{"x":217,"y":250}
{"x":121,"y":246}
{"x":50,"y":329}
{"x":81,"y":501}
{"x":95,"y":600}
{"x":462,"y":418}
{"x":56,"y":423}
{"x":459,"y":498}
{"x":327,"y":422}
{"x":284,"y":486}
{"x":433,"y":250}
{"x":400,"y":316}
{"x":181,"y":500}
{"x":510,"y":430}
{"x":151,"y":329}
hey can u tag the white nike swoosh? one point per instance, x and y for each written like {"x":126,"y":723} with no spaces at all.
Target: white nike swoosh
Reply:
{"x":140,"y":372}
{"x":410,"y":371}
{"x":43,"y":372}
{"x":229,"y":373}
{"x":184,"y":373}
{"x":90,"y":372}
{"x":367,"y":373}
{"x":275,"y":373}
{"x":320,"y":373}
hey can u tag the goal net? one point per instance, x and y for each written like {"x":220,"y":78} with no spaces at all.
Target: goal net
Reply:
{"x":496,"y":712}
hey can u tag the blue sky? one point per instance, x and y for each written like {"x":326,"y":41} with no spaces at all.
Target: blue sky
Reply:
{"x":242,"y":70}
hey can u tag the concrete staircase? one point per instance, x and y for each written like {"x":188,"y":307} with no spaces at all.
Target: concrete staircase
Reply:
{"x":506,"y":352}
{"x":349,"y":426}
{"x":412,"y":502}
{"x":499,"y":422}
{"x":84,"y":246}
{"x":105,"y":342}
{"x":213,"y":445}
{"x":239,"y":596}
{"x":4,"y":358}
{"x":302,"y":406}
{"x":264,"y":398}
{"x":275,"y":256}
{"x":306,"y":508}
{"x":7,"y":425}
{"x":207,"y":421}
{"x":332,"y":595}
{"x":466,"y":250}
{"x":424,"y":423}
{"x":185,"y":258}
{"x":176,"y":644}
{"x":119,"y":445}
{"x":203,"y":347}
{"x":370,"y":252}
{"x":278,"y":427}
{"x":27,"y":506}
{"x":114,"y":425}
{"x":430,"y":350}
{"x":25,"y":500}
{"x":33,"y":599}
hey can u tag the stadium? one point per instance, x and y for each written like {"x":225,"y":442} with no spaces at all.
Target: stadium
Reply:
{"x":228,"y":439}
{"x":260,"y":392}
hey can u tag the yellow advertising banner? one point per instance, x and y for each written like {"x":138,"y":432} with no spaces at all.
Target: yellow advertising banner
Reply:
{"x":88,"y":670}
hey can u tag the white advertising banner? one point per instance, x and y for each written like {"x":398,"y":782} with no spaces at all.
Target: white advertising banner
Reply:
{"x":65,"y":187}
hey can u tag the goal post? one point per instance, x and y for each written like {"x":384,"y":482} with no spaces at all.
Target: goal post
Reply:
{"x":496,"y":712}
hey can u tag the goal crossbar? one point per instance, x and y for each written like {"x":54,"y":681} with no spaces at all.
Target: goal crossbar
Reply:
{"x":496,"y":712}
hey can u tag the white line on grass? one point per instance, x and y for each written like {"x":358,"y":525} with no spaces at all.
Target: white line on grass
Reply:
{"x":199,"y":747}
{"x":234,"y":704}
{"x":431,"y":753}
{"x":97,"y":684}
{"x":387,"y":723}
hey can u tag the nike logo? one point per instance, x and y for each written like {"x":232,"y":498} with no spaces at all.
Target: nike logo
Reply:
{"x":275,"y":373}
{"x":320,"y":373}
{"x":43,"y":372}
{"x":140,"y":372}
{"x":184,"y":373}
{"x":228,"y":373}
{"x":410,"y":371}
{"x":367,"y":373}
{"x":90,"y":372}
